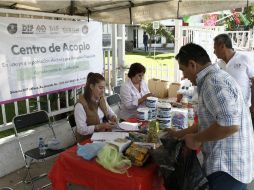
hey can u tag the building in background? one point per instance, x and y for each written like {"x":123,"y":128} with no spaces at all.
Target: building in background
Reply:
{"x":134,"y":35}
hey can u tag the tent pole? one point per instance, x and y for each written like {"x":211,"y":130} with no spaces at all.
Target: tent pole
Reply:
{"x":121,"y":53}
{"x":88,"y":14}
{"x":178,"y":8}
{"x":72,"y":8}
{"x":114,"y":55}
{"x":131,"y":5}
{"x":130,"y":16}
{"x":178,"y":44}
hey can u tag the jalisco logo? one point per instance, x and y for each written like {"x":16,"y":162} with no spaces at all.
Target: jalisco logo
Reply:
{"x":12,"y":28}
{"x":41,"y":29}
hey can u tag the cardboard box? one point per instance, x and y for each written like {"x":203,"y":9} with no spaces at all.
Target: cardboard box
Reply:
{"x":158,"y":87}
{"x":152,"y":85}
{"x":162,"y":89}
{"x":172,"y":90}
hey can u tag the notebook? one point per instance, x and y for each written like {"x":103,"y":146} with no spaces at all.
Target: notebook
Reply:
{"x":127,"y":126}
{"x":108,"y":136}
{"x":122,"y":144}
{"x":116,"y":138}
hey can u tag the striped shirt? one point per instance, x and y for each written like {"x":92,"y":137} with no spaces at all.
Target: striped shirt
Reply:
{"x":220,"y":100}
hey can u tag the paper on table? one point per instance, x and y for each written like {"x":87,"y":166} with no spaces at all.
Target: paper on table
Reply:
{"x":121,"y":145}
{"x":129,"y":126}
{"x":108,"y":136}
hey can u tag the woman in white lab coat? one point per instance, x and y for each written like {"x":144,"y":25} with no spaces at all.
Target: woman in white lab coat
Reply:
{"x":133,"y":92}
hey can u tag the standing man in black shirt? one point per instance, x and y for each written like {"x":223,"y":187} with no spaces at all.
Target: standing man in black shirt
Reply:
{"x":145,"y":41}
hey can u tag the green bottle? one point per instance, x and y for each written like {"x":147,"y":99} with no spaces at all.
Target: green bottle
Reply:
{"x":153,"y":130}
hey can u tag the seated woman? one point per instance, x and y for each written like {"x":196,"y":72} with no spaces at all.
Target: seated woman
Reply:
{"x":91,"y":109}
{"x":133,"y":92}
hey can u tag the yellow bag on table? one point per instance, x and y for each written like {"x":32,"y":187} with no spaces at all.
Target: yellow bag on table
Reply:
{"x":137,"y":154}
{"x":111,"y":159}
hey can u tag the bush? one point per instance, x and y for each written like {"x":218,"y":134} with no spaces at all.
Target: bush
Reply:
{"x":129,"y":46}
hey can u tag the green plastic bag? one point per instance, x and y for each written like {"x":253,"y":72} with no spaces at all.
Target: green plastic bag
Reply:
{"x":111,"y":159}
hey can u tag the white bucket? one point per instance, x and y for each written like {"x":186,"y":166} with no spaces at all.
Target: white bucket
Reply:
{"x":164,"y":122}
{"x":143,"y":113}
{"x":152,"y":113}
{"x":164,"y":110}
{"x":151,"y":102}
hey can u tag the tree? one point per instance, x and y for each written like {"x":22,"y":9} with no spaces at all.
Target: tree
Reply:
{"x":162,"y":31}
{"x":240,"y":20}
{"x":249,"y":12}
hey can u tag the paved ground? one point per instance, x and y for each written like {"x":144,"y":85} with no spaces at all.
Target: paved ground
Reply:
{"x":14,"y":180}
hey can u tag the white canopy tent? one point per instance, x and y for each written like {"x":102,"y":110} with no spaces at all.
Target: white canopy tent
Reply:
{"x":116,"y":12}
{"x":123,"y":11}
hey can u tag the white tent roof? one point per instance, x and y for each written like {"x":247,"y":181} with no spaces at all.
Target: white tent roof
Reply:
{"x":123,"y":11}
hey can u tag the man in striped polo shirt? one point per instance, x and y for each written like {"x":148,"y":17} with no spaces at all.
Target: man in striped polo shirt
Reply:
{"x":224,"y":131}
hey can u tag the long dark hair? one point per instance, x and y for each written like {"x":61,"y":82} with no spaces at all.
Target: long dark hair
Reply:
{"x":94,"y":79}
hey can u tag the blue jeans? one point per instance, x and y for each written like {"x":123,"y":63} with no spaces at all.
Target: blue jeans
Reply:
{"x":224,"y":181}
{"x":146,"y":47}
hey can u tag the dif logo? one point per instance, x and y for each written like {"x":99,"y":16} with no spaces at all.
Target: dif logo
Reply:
{"x":27,"y":29}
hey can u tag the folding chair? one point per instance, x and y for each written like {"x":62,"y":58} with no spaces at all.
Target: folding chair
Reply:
{"x":114,"y":102}
{"x":26,"y":122}
{"x":116,"y":89}
{"x":72,"y":122}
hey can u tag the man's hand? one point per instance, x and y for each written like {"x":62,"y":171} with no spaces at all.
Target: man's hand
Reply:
{"x":174,"y":133}
{"x":192,"y":142}
{"x":179,"y":134}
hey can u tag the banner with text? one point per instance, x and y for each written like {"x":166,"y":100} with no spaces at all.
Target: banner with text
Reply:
{"x":40,"y":56}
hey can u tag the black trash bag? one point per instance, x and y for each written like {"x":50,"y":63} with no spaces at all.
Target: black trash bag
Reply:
{"x":188,"y":171}
{"x":179,"y":166}
{"x":166,"y":158}
{"x":166,"y":166}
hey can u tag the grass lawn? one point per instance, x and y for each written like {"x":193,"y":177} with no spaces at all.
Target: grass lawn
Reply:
{"x":144,"y":58}
{"x":161,"y":66}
